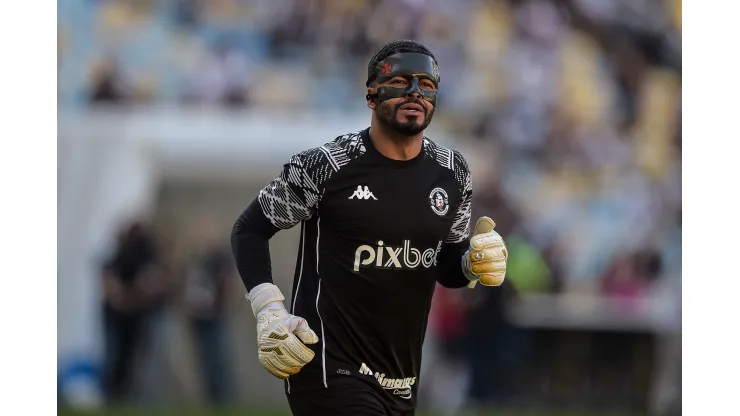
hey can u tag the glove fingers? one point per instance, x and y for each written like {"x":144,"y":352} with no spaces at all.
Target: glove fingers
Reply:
{"x":286,"y":360}
{"x":281,"y":368}
{"x":307,"y":336}
{"x":487,"y":240}
{"x":281,"y":354}
{"x":299,"y":351}
{"x":281,"y":342}
{"x":300,"y":328}
{"x":270,"y":365}
{"x":289,"y":362}
{"x":486,"y":254}
{"x":493,"y":266}
{"x":492,"y":279}
{"x":484,"y":225}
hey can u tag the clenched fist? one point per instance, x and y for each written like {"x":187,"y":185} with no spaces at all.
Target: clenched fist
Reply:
{"x":485,"y":260}
{"x":281,"y":337}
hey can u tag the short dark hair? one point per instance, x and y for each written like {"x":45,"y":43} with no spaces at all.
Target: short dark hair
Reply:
{"x":392,"y":48}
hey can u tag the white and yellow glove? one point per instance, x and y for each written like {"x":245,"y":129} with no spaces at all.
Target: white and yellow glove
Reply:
{"x":280,"y":335}
{"x":485,"y":260}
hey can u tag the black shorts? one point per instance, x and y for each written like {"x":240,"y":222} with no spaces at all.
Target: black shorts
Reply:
{"x":341,"y":400}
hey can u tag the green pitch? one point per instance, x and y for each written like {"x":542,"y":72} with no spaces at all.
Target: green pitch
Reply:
{"x":251,"y":412}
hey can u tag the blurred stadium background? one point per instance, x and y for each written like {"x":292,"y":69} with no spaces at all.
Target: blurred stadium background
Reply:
{"x":173,"y":113}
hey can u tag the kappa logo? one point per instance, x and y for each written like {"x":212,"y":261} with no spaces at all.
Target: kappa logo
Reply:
{"x":439,"y":201}
{"x":362,"y":193}
{"x":400,"y":387}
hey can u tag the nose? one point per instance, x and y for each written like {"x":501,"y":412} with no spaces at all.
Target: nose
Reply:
{"x":415,"y":94}
{"x":414,"y":90}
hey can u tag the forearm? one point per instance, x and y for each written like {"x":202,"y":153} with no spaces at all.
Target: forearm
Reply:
{"x":250,"y":244}
{"x":451,"y":273}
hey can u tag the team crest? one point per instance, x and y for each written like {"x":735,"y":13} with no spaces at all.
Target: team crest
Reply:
{"x":438,"y":201}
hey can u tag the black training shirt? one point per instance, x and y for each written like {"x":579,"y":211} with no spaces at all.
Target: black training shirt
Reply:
{"x":376,"y":235}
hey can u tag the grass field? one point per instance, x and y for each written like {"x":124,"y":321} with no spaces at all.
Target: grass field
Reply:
{"x":252,"y":412}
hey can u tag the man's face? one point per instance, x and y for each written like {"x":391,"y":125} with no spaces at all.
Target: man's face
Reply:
{"x":409,"y":115}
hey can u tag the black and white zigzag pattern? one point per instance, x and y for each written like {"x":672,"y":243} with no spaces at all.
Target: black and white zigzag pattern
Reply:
{"x":452,"y":159}
{"x":294,"y":195}
{"x":460,"y":230}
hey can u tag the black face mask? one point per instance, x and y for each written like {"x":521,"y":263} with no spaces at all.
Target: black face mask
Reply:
{"x":414,"y":67}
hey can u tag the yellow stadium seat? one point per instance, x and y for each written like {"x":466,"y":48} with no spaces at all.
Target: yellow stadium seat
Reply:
{"x":656,"y":123}
{"x":582,"y":96}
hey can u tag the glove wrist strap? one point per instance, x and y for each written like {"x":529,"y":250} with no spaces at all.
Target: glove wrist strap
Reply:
{"x":263,"y":295}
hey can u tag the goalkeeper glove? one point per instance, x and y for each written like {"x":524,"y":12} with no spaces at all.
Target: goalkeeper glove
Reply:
{"x":485,"y":260}
{"x":280,"y":335}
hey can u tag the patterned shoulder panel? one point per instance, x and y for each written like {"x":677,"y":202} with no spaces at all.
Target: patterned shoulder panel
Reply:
{"x":454,"y":160}
{"x":341,"y":151}
{"x":294,"y":195}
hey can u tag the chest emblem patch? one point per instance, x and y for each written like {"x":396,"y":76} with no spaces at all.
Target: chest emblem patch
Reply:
{"x":438,"y":201}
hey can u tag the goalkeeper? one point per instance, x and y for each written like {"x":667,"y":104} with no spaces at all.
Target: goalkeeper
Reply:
{"x":384,"y":214}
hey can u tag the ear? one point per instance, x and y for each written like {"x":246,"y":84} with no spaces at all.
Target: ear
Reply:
{"x":371,"y":103}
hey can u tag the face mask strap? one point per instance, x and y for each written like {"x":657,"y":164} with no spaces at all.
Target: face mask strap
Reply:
{"x":409,"y":66}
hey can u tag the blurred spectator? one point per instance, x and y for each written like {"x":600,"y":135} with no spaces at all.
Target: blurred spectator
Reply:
{"x":631,"y":276}
{"x":553,"y":256}
{"x":107,"y":85}
{"x":623,"y":279}
{"x":495,"y":349}
{"x":188,"y":13}
{"x":220,"y":79}
{"x":295,"y":28}
{"x":208,"y":273}
{"x":447,"y":379}
{"x":447,"y":319}
{"x":62,"y":48}
{"x":493,"y":204}
{"x":630,"y":66}
{"x":134,"y":286}
{"x":527,"y":269}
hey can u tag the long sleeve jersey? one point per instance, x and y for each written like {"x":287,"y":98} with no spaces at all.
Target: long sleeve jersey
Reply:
{"x":376,"y":235}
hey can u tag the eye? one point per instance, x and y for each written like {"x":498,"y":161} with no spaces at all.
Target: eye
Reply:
{"x":427,"y":85}
{"x":398,"y":82}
